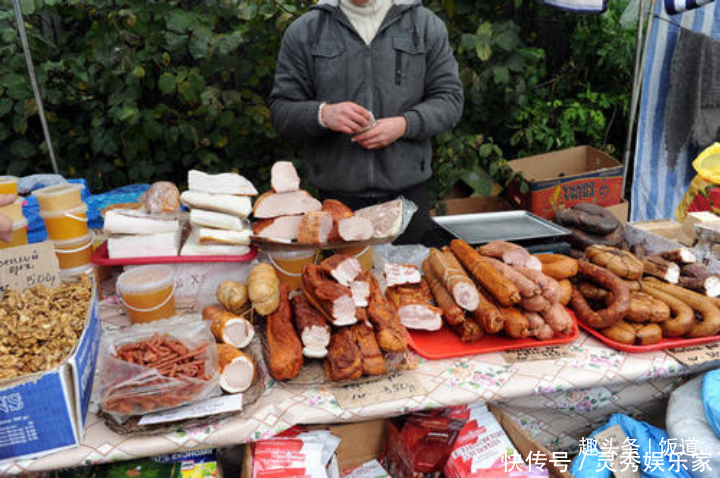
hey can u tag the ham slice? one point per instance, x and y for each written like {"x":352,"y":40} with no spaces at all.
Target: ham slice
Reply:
{"x":271,"y":204}
{"x":239,"y":206}
{"x":386,"y":218}
{"x":339,"y":211}
{"x":315,"y":227}
{"x":225,"y":183}
{"x":284,"y":178}
{"x":355,"y":229}
{"x":360,"y":292}
{"x":283,"y":228}
{"x":218,"y":236}
{"x":420,"y":317}
{"x":401,"y":274}
{"x":237,"y":369}
{"x":342,"y":268}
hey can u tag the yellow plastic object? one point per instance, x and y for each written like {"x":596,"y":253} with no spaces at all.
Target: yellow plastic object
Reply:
{"x":19,"y":235}
{"x":75,"y":253}
{"x":148,"y":293}
{"x":59,"y":197}
{"x":67,"y":224}
{"x":14,"y":210}
{"x":364,"y":255}
{"x":707,"y":164}
{"x":8,"y":185}
{"x":289,"y":265}
{"x":703,"y":194}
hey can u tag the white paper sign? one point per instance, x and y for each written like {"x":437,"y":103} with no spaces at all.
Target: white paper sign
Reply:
{"x":212,"y":406}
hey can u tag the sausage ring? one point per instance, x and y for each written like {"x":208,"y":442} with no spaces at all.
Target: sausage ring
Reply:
{"x":558,"y":266}
{"x":633,"y":334}
{"x":615,"y":310}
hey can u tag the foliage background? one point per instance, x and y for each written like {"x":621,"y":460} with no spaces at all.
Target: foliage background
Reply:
{"x":142,"y":90}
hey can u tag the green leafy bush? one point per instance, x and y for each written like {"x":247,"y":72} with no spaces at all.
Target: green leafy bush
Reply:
{"x":142,"y":90}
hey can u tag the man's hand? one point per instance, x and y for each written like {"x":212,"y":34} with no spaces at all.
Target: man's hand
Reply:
{"x":346,"y":117}
{"x":385,"y":132}
{"x":6,"y":223}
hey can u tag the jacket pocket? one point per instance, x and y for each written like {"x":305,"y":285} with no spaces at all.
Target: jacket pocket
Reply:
{"x":409,"y":60}
{"x":328,"y":65}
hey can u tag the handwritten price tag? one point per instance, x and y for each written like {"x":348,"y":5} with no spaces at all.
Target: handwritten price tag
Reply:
{"x":391,"y":388}
{"x":22,"y":267}
{"x":539,"y":353}
{"x":696,"y":355}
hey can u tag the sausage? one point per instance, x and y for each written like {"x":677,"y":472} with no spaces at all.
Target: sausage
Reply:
{"x":615,"y":311}
{"x":527,"y":287}
{"x":710,"y":324}
{"x":549,"y":287}
{"x":588,"y":217}
{"x":535,"y":304}
{"x":451,"y":274}
{"x":682,"y":317}
{"x":285,"y":357}
{"x":558,"y":266}
{"x":516,"y":324}
{"x":504,"y":291}
{"x":647,"y":334}
{"x":580,"y":239}
{"x":621,"y":263}
{"x":488,"y":315}
{"x":511,"y":254}
{"x":558,"y":318}
{"x":538,"y":328}
{"x":634,"y":334}
{"x":646,"y":308}
{"x":621,"y":332}
{"x":565,"y":291}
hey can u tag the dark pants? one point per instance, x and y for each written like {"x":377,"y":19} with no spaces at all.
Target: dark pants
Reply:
{"x":420,"y":223}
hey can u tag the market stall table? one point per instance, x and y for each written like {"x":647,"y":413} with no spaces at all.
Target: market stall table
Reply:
{"x":558,"y":400}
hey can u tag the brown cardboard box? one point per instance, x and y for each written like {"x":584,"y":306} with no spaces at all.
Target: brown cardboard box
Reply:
{"x":469,"y":205}
{"x":363,"y":442}
{"x":621,"y":211}
{"x":666,"y":228}
{"x":570,"y":176}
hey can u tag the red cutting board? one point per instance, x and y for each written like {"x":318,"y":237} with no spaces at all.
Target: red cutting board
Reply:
{"x":445,"y":343}
{"x":669,"y":343}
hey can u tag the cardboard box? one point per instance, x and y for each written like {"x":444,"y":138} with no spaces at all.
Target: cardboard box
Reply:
{"x":45,"y":412}
{"x":621,"y":211}
{"x":567,"y":177}
{"x":469,"y":205}
{"x":363,"y":442}
{"x":668,"y":229}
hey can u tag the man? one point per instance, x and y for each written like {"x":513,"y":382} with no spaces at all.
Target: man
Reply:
{"x":347,"y":62}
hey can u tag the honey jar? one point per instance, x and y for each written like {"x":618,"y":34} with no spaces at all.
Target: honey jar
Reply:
{"x":66,"y":224}
{"x":289,"y":265}
{"x":8,"y":185}
{"x":148,"y":293}
{"x":19,"y":235}
{"x":75,"y":253}
{"x":60,"y":197}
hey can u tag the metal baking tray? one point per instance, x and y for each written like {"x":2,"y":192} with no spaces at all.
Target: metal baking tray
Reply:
{"x":485,"y":227}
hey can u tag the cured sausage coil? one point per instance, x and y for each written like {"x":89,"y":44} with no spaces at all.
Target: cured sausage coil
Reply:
{"x":615,"y":311}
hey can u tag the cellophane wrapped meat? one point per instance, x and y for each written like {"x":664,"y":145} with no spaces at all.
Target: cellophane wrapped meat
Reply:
{"x":151,"y":367}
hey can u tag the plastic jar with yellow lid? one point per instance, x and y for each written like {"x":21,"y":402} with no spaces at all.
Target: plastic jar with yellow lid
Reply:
{"x":67,"y":224}
{"x":148,"y":292}
{"x":75,"y":253}
{"x":8,"y":185}
{"x":19,"y":235}
{"x":59,"y":197}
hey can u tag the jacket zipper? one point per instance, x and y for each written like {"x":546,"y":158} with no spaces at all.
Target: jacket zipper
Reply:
{"x":398,"y":67}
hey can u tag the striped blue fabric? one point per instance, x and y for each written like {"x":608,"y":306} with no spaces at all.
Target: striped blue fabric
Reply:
{"x":679,"y":6}
{"x":581,"y":6}
{"x":657,"y":190}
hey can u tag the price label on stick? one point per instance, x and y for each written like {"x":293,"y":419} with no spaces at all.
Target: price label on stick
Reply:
{"x":22,"y":267}
{"x":696,"y":355}
{"x":391,"y":388}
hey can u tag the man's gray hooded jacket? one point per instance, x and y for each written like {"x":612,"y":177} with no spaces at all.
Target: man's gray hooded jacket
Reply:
{"x":407,"y":70}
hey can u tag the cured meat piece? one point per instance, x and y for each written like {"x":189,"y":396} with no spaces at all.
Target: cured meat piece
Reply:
{"x":224,"y":183}
{"x":527,"y":287}
{"x":550,"y":289}
{"x":355,"y":229}
{"x":344,"y":360}
{"x":488,"y":315}
{"x":373,"y":362}
{"x":453,"y":277}
{"x":327,"y":296}
{"x":511,"y":254}
{"x":237,"y":369}
{"x":360,"y":291}
{"x":558,"y":318}
{"x":283,"y":228}
{"x":217,"y":236}
{"x":312,"y":327}
{"x":588,"y":217}
{"x":390,"y":333}
{"x":501,"y":289}
{"x":283,"y":177}
{"x":420,"y":317}
{"x":134,"y":222}
{"x":284,"y":348}
{"x":232,"y":329}
{"x":537,"y":327}
{"x":339,"y":211}
{"x":315,"y":227}
{"x":152,"y":245}
{"x":386,"y":218}
{"x":239,"y":206}
{"x":216,"y":220}
{"x":342,"y":268}
{"x":270,"y":204}
{"x":401,"y":274}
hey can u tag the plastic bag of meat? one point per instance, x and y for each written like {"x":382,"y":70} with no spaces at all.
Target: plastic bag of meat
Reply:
{"x":157,"y":366}
{"x":295,"y":453}
{"x":389,"y":219}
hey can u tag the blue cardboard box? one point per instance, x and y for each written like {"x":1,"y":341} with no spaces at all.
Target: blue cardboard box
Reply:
{"x":45,"y":412}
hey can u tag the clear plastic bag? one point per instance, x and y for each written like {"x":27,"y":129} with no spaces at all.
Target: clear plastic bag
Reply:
{"x":181,"y":374}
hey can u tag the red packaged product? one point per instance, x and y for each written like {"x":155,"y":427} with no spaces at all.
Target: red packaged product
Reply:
{"x":418,"y":445}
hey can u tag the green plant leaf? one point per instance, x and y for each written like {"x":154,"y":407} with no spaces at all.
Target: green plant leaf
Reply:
{"x":22,"y":148}
{"x":166,"y":83}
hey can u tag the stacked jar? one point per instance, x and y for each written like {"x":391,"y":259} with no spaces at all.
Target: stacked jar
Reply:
{"x":9,"y":185}
{"x":65,"y":216}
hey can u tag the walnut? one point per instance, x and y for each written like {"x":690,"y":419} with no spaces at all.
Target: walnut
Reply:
{"x":39,"y":327}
